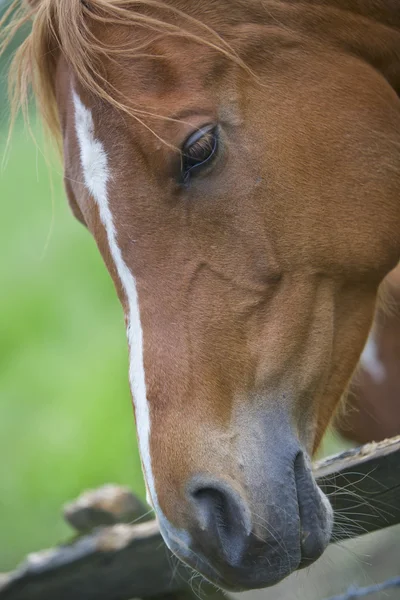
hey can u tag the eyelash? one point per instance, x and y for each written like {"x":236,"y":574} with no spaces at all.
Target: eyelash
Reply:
{"x":203,"y":140}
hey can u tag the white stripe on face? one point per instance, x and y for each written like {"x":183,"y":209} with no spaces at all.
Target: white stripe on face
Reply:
{"x":96,"y":176}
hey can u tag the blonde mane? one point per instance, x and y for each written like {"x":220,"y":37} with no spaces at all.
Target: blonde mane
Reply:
{"x":65,"y":27}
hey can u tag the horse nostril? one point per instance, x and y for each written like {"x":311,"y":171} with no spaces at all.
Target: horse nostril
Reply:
{"x":222,"y":519}
{"x":214,"y":509}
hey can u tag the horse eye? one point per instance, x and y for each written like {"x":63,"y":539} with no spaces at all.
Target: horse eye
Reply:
{"x":199,"y":149}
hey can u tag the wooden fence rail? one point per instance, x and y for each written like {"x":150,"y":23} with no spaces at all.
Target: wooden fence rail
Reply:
{"x":112,"y":559}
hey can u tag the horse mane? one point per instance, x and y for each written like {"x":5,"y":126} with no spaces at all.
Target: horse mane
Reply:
{"x":66,"y":27}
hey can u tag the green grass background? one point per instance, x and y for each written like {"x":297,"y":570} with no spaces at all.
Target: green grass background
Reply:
{"x":66,"y":421}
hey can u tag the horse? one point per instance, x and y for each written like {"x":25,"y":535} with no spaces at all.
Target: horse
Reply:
{"x":372,"y":411}
{"x":238,"y":164}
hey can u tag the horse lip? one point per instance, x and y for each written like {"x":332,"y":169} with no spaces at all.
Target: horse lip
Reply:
{"x":243,"y":580}
{"x":184,"y":553}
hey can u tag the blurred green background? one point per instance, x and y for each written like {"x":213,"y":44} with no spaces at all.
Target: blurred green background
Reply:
{"x":66,"y":421}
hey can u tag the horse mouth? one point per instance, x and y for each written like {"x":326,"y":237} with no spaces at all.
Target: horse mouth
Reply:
{"x":256,"y":570}
{"x":242,"y":580}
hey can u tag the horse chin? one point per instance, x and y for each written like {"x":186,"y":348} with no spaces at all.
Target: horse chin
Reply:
{"x":241,"y":579}
{"x":261,"y":574}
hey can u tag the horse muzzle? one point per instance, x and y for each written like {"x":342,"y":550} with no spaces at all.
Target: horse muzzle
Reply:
{"x":253,"y":535}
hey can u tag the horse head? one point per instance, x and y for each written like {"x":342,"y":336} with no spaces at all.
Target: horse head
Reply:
{"x":238,"y":164}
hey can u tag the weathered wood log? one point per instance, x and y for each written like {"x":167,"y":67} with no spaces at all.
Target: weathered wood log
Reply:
{"x":122,"y":562}
{"x":119,"y":562}
{"x":107,"y":505}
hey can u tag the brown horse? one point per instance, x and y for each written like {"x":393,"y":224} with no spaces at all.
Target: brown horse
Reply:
{"x":238,"y":163}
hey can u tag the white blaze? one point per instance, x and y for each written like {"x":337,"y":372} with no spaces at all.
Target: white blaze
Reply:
{"x":96,"y":176}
